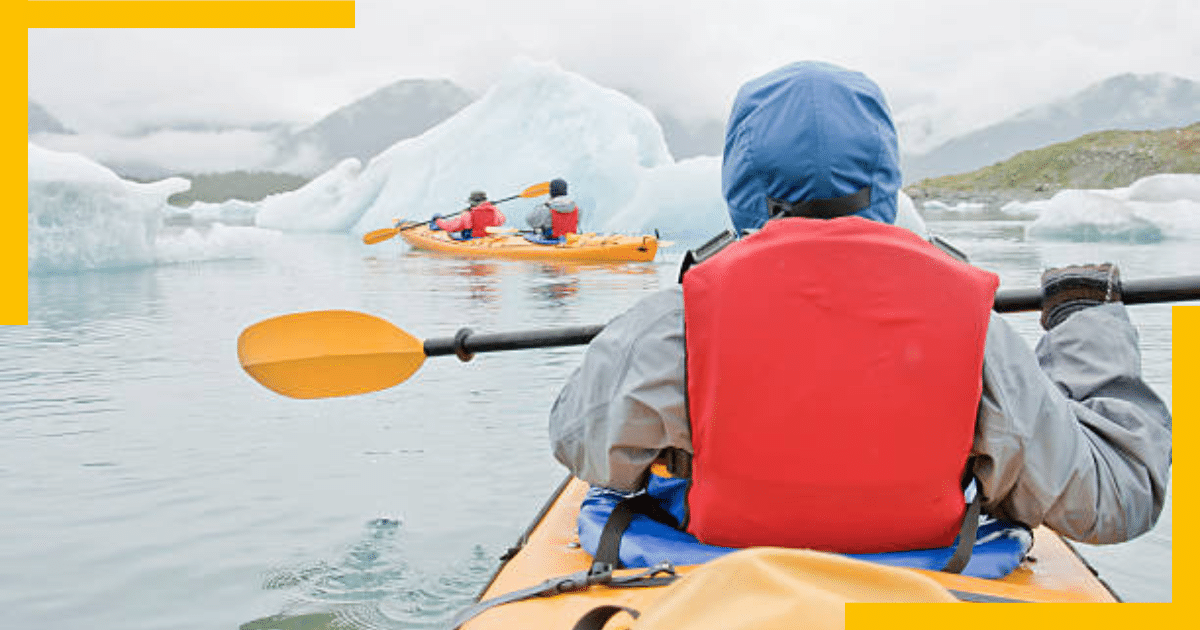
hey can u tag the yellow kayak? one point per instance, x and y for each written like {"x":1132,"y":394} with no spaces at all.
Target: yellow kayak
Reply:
{"x":1051,"y":572}
{"x":578,"y":247}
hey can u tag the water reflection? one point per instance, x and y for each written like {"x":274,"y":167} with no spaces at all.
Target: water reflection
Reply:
{"x":560,"y":286}
{"x":481,"y":280}
{"x":60,"y":302}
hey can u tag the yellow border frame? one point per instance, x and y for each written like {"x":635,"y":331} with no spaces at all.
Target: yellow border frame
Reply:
{"x":340,"y":14}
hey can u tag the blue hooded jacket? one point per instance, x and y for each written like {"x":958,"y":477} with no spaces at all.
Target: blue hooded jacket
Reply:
{"x":809,"y":130}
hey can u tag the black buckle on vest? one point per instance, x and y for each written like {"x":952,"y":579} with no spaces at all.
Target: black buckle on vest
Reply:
{"x":705,"y":251}
{"x":820,"y":208}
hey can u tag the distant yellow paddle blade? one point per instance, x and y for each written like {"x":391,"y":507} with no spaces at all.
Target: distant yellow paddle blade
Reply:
{"x":321,"y":354}
{"x":537,"y":190}
{"x":378,"y":236}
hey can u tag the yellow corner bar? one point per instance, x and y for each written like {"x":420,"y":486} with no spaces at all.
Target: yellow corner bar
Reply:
{"x":189,"y":14}
{"x":14,"y":273}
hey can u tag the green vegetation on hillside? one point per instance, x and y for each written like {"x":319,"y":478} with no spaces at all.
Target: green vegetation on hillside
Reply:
{"x":244,"y":185}
{"x":1106,"y":159}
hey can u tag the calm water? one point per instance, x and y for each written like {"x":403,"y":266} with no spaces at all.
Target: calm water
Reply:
{"x":149,"y":483}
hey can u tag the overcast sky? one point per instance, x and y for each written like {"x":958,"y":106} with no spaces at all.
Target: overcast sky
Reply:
{"x":965,"y":62}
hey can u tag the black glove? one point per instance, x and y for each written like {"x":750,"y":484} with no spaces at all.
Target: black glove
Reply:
{"x":433,"y":222}
{"x":1076,"y":287}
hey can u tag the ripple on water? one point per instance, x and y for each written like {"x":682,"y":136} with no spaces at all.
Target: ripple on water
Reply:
{"x":371,"y":587}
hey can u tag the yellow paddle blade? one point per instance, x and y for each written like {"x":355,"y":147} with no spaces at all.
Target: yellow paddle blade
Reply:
{"x":378,"y":236}
{"x":536,"y":190}
{"x":321,"y":354}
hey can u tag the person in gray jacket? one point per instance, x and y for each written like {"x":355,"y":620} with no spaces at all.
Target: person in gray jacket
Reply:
{"x":557,"y":217}
{"x":1067,"y":435}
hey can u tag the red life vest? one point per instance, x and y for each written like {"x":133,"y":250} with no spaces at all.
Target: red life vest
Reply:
{"x":564,"y":222}
{"x":833,"y":375}
{"x":483,"y":216}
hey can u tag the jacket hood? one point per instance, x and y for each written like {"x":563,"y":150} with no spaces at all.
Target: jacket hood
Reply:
{"x":809,"y":130}
{"x":561,"y":204}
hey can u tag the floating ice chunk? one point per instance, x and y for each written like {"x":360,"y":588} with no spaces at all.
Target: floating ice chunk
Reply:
{"x":1087,"y":215}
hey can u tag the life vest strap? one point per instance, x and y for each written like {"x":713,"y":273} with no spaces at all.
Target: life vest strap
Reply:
{"x":966,"y":535}
{"x":608,"y":552}
{"x":596,"y":618}
{"x":821,"y":208}
{"x":577,"y":581}
{"x":607,"y":559}
{"x":678,"y":462}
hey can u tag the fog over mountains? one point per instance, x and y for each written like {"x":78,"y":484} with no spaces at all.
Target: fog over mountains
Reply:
{"x":410,"y":107}
{"x":361,"y":129}
{"x":1127,"y":101}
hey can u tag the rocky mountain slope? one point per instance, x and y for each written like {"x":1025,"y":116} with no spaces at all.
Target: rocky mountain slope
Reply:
{"x":1106,"y":159}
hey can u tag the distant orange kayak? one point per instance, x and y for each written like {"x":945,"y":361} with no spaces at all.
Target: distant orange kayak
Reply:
{"x":579,"y":247}
{"x":1051,"y":572}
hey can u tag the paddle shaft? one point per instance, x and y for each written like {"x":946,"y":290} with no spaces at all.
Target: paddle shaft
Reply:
{"x":451,"y":216}
{"x":1144,"y":291}
{"x":383,"y":234}
{"x":466,"y":343}
{"x":416,"y":224}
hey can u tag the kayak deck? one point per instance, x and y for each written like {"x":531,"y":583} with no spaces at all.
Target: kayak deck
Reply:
{"x":1052,"y":572}
{"x":586,"y":247}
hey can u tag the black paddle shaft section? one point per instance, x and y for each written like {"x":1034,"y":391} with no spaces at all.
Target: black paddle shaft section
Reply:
{"x":466,"y":343}
{"x":1144,"y":291}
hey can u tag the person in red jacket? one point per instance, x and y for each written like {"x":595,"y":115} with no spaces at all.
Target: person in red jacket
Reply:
{"x":775,"y":378}
{"x":474,"y":222}
{"x":557,"y":217}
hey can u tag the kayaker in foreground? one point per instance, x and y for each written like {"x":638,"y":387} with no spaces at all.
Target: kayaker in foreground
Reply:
{"x":834,"y":382}
{"x":474,"y":222}
{"x":556,"y":217}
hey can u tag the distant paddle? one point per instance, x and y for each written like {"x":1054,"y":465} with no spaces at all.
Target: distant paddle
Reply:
{"x":383,"y":234}
{"x":321,"y":354}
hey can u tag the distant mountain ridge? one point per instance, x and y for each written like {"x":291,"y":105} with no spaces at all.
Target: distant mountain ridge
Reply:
{"x":1127,"y":101}
{"x":42,"y":121}
{"x":366,"y":127}
{"x":409,"y":107}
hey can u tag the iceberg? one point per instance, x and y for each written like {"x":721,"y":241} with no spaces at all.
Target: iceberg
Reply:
{"x":1150,"y":210}
{"x":83,"y":216}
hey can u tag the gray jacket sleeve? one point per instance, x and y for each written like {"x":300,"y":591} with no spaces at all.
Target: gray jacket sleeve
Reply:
{"x":539,"y":217}
{"x":625,"y":402}
{"x":1069,"y":436}
{"x":1082,"y":445}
